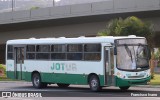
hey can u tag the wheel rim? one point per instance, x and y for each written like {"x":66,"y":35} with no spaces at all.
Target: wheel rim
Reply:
{"x":36,"y":81}
{"x":94,"y":84}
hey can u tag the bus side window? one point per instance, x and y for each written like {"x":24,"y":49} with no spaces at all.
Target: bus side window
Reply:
{"x":9,"y":52}
{"x":30,"y":52}
{"x":58,"y":48}
{"x":10,"y":56}
{"x":74,"y":51}
{"x":43,"y":48}
{"x":30,"y":56}
{"x":58,"y":52}
{"x":74,"y":56}
{"x":43,"y":52}
{"x":30,"y":48}
{"x":92,"y":52}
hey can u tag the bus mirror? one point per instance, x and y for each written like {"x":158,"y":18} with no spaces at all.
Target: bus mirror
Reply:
{"x":115,"y":51}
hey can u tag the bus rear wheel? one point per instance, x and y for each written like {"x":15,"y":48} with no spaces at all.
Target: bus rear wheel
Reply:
{"x":36,"y":81}
{"x":124,"y":88}
{"x":63,"y":85}
{"x":94,"y":83}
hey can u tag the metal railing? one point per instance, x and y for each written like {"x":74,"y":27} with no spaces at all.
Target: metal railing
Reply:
{"x":15,"y":5}
{"x":71,"y":2}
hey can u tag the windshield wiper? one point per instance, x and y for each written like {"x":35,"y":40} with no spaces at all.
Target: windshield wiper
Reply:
{"x":128,"y":52}
{"x":139,"y":50}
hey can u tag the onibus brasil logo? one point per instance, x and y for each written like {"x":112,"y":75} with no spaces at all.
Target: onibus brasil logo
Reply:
{"x":20,"y":94}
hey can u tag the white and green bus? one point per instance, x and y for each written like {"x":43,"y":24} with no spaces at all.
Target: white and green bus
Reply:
{"x":97,"y":61}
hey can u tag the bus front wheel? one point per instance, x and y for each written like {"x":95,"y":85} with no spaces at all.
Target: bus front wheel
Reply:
{"x":124,"y":88}
{"x":94,"y":83}
{"x":63,"y":85}
{"x":36,"y":80}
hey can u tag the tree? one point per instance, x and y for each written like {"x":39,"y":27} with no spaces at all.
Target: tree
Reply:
{"x":131,"y":26}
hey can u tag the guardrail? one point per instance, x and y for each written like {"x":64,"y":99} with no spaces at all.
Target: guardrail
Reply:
{"x":87,"y":9}
{"x":16,"y":5}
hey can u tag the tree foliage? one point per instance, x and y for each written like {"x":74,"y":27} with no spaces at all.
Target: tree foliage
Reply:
{"x":129,"y":26}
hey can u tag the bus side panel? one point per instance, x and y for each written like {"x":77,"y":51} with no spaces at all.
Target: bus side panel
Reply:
{"x":10,"y":74}
{"x":68,"y":78}
{"x":64,"y":78}
{"x":101,"y":79}
{"x":27,"y":76}
{"x":10,"y":69}
{"x":69,"y":72}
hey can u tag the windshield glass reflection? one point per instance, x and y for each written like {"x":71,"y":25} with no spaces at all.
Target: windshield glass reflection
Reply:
{"x":132,"y":56}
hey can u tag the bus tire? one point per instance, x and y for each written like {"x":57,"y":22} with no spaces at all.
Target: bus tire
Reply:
{"x":63,"y":85}
{"x":124,"y":88}
{"x":94,"y":83}
{"x":36,"y":81}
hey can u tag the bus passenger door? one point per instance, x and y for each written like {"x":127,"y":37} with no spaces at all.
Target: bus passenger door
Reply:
{"x":19,"y":62}
{"x":108,"y":66}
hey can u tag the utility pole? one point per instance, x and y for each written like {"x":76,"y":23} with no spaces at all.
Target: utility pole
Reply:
{"x":13,"y":5}
{"x":53,"y":3}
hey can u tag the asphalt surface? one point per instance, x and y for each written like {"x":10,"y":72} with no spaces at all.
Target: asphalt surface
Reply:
{"x":19,"y":89}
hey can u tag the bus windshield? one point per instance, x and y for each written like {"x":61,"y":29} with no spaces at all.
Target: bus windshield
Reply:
{"x":132,"y":55}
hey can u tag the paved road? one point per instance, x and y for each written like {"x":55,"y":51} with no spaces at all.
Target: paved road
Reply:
{"x":79,"y":91}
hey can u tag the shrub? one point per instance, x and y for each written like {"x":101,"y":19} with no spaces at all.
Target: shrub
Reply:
{"x":152,"y":75}
{"x":3,"y":67}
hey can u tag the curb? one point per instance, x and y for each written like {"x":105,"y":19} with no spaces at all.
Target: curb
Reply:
{"x":148,"y":86}
{"x":11,"y":81}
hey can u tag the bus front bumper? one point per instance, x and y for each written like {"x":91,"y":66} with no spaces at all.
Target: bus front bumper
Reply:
{"x":129,"y":82}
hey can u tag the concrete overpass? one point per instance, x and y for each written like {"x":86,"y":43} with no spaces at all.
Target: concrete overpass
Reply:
{"x":73,"y":20}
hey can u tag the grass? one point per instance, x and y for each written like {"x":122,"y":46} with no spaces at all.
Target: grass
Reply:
{"x":4,"y":78}
{"x":155,"y":80}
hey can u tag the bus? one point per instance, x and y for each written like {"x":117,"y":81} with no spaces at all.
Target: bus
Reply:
{"x":95,"y":61}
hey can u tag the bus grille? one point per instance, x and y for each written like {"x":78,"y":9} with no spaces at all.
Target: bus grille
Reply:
{"x":140,"y":76}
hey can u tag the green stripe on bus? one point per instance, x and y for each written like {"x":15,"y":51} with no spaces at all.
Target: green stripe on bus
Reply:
{"x":59,"y":78}
{"x":25,"y":75}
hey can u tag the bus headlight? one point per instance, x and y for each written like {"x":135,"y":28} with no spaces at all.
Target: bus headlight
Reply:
{"x":120,"y":75}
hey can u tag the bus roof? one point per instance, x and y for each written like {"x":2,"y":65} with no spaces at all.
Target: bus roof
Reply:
{"x":63,"y":40}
